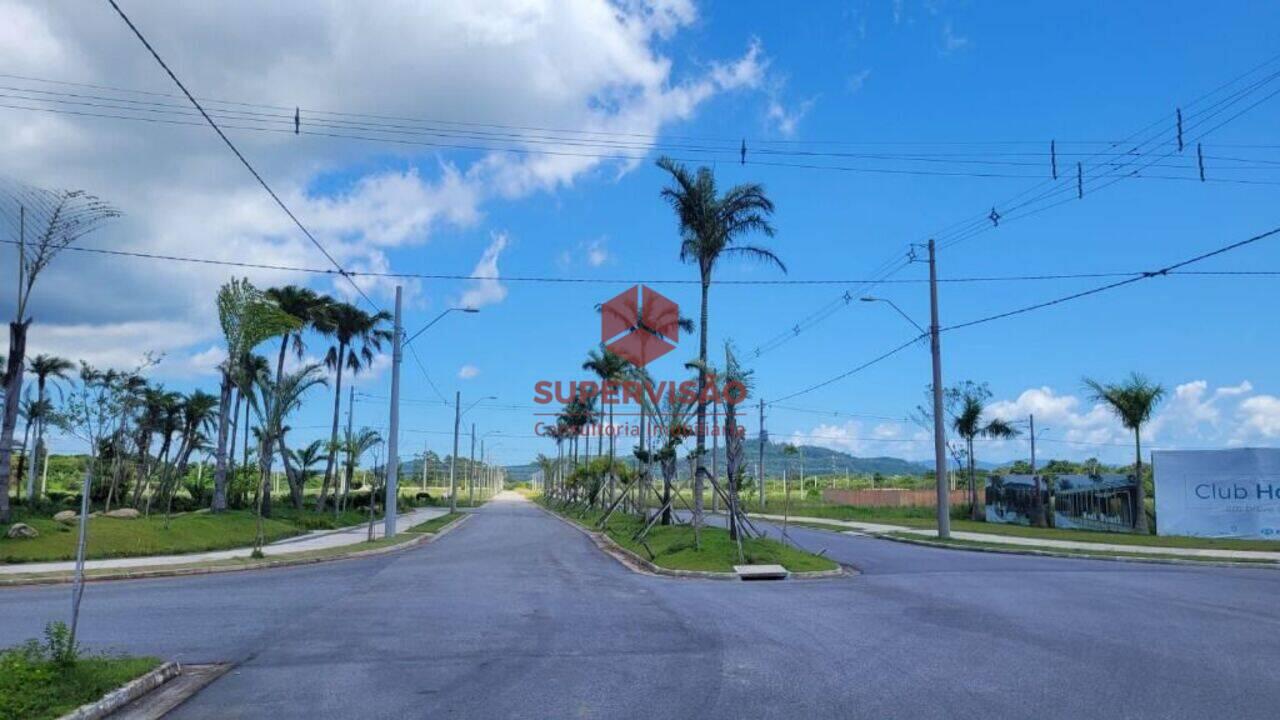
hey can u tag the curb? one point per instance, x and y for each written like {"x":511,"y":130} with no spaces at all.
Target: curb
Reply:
{"x":125,"y":694}
{"x":637,"y":564}
{"x":1012,"y":549}
{"x":1082,"y":555}
{"x":179,"y":571}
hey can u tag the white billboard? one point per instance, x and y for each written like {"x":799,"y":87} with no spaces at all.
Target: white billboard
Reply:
{"x":1218,"y":493}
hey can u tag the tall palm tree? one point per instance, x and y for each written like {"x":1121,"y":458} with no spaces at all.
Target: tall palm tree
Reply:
{"x":713,"y":226}
{"x":358,"y":336}
{"x":1132,"y":400}
{"x":968,"y":424}
{"x":247,"y":318}
{"x":311,"y":308}
{"x":198,"y":410}
{"x":275,"y":400}
{"x":45,"y":368}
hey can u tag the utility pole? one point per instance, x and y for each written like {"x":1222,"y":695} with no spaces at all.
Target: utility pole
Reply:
{"x":424,"y":467}
{"x":764,"y":437}
{"x":471,"y":466}
{"x":393,"y":458}
{"x":1032,"y":419}
{"x":939,"y":431}
{"x":453,"y":459}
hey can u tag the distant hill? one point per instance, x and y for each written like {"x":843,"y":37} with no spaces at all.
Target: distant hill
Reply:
{"x":817,"y":461}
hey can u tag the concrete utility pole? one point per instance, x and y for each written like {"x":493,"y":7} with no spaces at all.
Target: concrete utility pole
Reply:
{"x":471,"y":466}
{"x":939,"y":431}
{"x":1032,"y":419}
{"x":424,"y":467}
{"x":764,"y":437}
{"x":393,"y":459}
{"x":453,"y":459}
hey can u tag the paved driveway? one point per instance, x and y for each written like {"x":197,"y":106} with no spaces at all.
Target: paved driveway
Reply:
{"x":517,"y":615}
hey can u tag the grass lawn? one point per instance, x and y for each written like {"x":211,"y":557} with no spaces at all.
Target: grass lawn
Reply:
{"x":33,"y":688}
{"x":673,"y":548}
{"x":923,"y":517}
{"x":964,"y":544}
{"x":187,"y":533}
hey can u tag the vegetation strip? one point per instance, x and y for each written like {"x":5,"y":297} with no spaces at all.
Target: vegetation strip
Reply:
{"x":634,"y":561}
{"x":411,"y":537}
{"x":126,"y":694}
{"x":955,"y":544}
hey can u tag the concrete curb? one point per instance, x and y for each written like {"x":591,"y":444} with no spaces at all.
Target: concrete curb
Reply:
{"x":180,"y":571}
{"x":637,"y":564}
{"x":1081,"y":555}
{"x":125,"y":694}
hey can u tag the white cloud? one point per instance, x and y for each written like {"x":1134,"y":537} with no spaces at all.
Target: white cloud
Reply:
{"x":593,"y":65}
{"x":467,"y":372}
{"x":489,"y":290}
{"x":857,"y":80}
{"x":1260,"y":417}
{"x":593,"y":253}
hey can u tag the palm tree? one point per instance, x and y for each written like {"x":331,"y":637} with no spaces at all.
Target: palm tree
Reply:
{"x":968,"y":424}
{"x":277,"y":399}
{"x":306,"y":459}
{"x":359,"y":336}
{"x":712,"y":226}
{"x":45,"y":368}
{"x":1132,"y":400}
{"x":247,"y":318}
{"x":610,"y":368}
{"x":197,"y":410}
{"x":354,"y":445}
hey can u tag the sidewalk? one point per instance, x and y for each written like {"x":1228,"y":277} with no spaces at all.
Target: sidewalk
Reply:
{"x":1040,"y":543}
{"x":317,"y":540}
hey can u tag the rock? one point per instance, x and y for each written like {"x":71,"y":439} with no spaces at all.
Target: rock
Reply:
{"x":66,"y":517}
{"x":21,"y":531}
{"x":123,"y":514}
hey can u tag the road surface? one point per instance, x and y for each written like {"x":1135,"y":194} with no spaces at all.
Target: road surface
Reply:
{"x":517,"y":615}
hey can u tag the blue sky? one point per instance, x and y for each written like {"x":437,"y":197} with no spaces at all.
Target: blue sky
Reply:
{"x":891,"y":75}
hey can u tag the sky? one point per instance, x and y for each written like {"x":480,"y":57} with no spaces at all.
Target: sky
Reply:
{"x":872,"y":125}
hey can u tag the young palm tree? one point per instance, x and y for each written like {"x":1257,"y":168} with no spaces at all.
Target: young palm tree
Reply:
{"x":712,"y":226}
{"x":358,"y":337}
{"x":1132,"y":400}
{"x":248,"y":318}
{"x":968,"y":424}
{"x":198,"y":410}
{"x":610,"y":368}
{"x":276,"y":400}
{"x":307,"y":459}
{"x":45,"y":368}
{"x":355,"y":445}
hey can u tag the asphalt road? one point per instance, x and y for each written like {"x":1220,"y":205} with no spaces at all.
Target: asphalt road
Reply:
{"x":516,"y":615}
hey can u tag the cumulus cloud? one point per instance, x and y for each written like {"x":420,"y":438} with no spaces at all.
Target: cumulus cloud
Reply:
{"x":467,"y":372}
{"x":594,"y":65}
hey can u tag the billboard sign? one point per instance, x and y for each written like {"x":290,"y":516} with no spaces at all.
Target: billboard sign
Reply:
{"x":1218,"y":493}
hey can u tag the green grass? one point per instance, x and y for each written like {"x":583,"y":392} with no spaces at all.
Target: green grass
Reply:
{"x":435,"y":524}
{"x":673,"y":547}
{"x":912,"y":517}
{"x":33,"y":688}
{"x":967,"y":544}
{"x":187,"y":533}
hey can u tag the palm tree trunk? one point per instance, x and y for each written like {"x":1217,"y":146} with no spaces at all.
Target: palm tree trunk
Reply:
{"x":295,"y":483}
{"x":333,"y":434}
{"x":973,"y":485}
{"x":12,"y":399}
{"x":702,"y":413}
{"x":1139,"y":491}
{"x":219,"y":502}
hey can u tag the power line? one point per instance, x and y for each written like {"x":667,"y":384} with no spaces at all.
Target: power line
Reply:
{"x":540,"y":279}
{"x":241,"y":156}
{"x":1161,"y":272}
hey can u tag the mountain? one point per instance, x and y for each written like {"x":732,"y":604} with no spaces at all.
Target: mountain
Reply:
{"x":816,"y":460}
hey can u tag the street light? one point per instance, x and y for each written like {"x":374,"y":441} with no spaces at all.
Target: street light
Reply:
{"x":895,"y":307}
{"x":437,"y":319}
